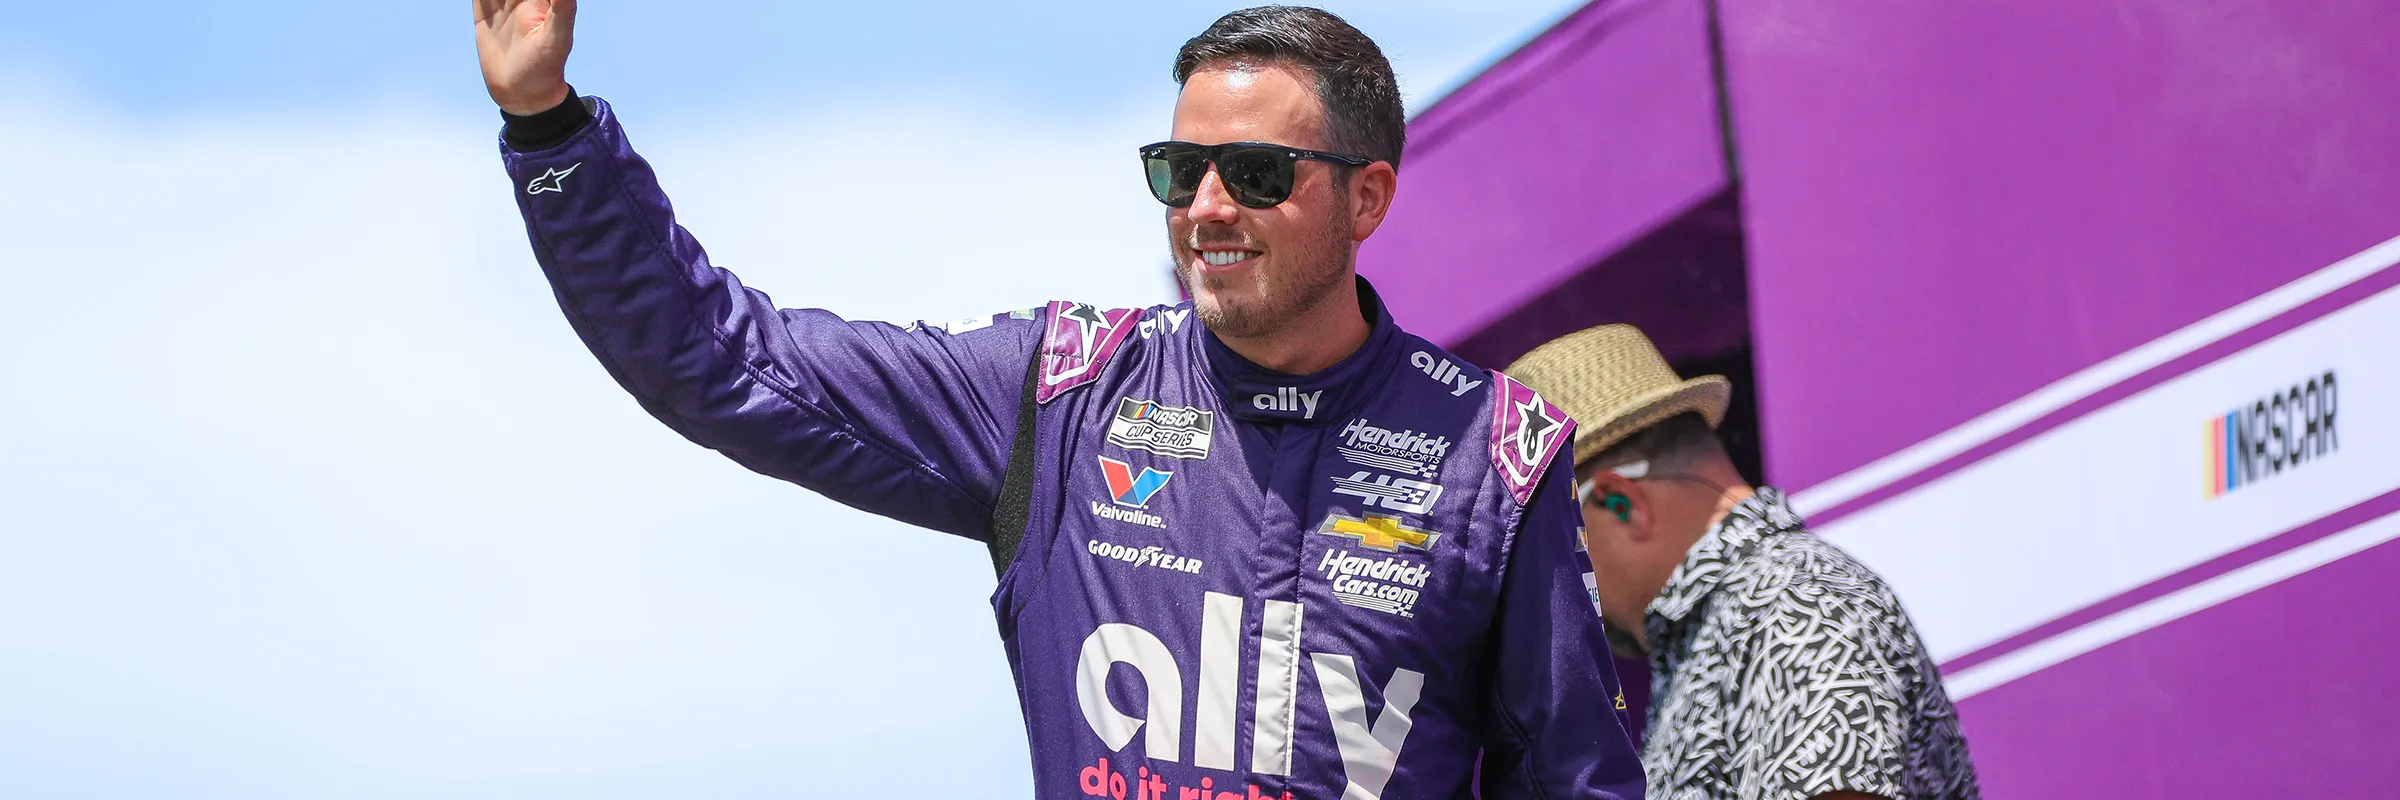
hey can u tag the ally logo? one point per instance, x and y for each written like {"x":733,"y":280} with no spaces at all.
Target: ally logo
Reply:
{"x":1129,"y":488}
{"x":1369,"y":743}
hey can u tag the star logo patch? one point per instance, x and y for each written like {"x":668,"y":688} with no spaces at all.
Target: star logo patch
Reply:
{"x":552,"y":180}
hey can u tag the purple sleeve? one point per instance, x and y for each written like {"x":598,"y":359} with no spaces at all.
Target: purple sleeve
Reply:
{"x":1558,"y":727}
{"x":913,"y":424}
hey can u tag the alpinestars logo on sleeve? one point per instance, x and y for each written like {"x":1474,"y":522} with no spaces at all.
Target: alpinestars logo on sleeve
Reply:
{"x":1533,"y":440}
{"x":1079,"y":343}
{"x":552,"y":180}
{"x":1526,"y":433}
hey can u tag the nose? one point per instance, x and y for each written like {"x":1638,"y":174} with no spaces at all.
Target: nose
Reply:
{"x":1212,"y":203}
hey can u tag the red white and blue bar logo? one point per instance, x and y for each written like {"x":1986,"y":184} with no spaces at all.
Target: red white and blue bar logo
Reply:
{"x":2284,"y":430}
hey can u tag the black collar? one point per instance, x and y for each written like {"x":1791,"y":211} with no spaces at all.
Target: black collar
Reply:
{"x":1324,"y":397}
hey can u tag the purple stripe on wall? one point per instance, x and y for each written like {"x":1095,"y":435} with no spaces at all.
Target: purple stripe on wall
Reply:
{"x":1950,"y":205}
{"x":2329,"y":525}
{"x":2283,"y":692}
{"x":2209,"y":354}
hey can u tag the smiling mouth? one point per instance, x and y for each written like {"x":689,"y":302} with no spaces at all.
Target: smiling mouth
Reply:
{"x":1226,"y":258}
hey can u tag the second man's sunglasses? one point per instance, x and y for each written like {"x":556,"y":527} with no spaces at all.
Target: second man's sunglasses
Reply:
{"x":1257,"y":174}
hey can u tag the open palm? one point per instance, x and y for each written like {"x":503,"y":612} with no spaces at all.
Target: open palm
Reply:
{"x":523,"y":46}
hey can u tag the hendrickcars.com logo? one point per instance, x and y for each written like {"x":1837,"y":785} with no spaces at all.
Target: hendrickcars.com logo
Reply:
{"x":2284,"y":430}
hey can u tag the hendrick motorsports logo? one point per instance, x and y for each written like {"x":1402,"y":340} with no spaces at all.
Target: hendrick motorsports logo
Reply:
{"x":1405,"y":452}
{"x":1171,"y":431}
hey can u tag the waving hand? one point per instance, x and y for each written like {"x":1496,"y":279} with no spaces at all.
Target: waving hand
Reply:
{"x":523,"y":46}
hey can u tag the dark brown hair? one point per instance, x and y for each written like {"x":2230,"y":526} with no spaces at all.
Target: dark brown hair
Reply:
{"x":1678,"y":445}
{"x":1363,"y":116}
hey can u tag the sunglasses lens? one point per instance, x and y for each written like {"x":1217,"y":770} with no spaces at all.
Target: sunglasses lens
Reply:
{"x":1174,"y":175}
{"x":1256,"y":177}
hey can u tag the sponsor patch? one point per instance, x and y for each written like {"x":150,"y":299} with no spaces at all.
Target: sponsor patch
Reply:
{"x":1403,"y":452}
{"x":552,"y":180}
{"x":1169,"y":322}
{"x":1404,"y":495}
{"x":959,"y":326}
{"x":1379,"y":532}
{"x":1446,"y":372}
{"x":1591,"y":586}
{"x":1172,"y":431}
{"x":1526,"y":434}
{"x":1078,"y":345}
{"x":1129,"y":492}
{"x":1289,"y":401}
{"x":1389,"y":584}
{"x":1130,"y":488}
{"x":1151,"y":557}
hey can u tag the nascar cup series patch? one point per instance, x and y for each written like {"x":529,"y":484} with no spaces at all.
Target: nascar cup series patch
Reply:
{"x":1171,"y":431}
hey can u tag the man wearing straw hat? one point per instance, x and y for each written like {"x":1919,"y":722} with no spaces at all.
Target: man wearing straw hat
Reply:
{"x":1781,"y":667}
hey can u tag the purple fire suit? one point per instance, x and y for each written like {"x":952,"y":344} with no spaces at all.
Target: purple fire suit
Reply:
{"x":1234,"y":583}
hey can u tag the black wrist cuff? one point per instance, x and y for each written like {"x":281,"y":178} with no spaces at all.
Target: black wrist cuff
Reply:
{"x":543,"y":130}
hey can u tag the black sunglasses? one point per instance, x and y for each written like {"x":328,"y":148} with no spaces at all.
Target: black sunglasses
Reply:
{"x":1257,"y":174}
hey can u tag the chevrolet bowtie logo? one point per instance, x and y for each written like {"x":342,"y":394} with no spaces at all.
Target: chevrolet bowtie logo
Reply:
{"x":1379,"y":532}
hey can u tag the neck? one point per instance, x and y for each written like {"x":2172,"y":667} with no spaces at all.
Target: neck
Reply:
{"x":1321,"y":337}
{"x":1734,"y":491}
{"x":1726,"y":500}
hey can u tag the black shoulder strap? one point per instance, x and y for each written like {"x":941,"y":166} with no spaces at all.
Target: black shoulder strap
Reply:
{"x":1014,"y":507}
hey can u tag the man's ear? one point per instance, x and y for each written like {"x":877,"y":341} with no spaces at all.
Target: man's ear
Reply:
{"x":1620,"y":503}
{"x":1371,"y":190}
{"x":1640,"y":523}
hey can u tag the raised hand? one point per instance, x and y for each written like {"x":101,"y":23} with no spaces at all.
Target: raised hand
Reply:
{"x":523,"y":46}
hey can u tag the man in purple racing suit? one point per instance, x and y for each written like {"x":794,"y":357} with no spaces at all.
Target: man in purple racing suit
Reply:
{"x":1261,"y":544}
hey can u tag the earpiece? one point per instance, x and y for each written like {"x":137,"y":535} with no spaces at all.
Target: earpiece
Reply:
{"x":1618,"y":505}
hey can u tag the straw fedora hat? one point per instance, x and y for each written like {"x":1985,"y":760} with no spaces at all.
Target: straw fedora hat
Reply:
{"x":1612,"y":380}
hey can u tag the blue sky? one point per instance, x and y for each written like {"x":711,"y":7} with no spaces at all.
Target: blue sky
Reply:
{"x":307,"y":491}
{"x":1063,"y":57}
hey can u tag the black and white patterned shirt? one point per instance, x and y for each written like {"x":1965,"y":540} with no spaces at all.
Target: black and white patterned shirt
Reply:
{"x":1783,"y":668}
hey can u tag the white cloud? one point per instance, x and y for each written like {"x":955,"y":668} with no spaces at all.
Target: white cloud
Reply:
{"x":307,"y":490}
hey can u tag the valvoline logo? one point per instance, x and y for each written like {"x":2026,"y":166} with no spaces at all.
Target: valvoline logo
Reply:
{"x":1131,"y":489}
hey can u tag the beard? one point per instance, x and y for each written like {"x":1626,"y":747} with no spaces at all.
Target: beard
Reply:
{"x":1303,"y":275}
